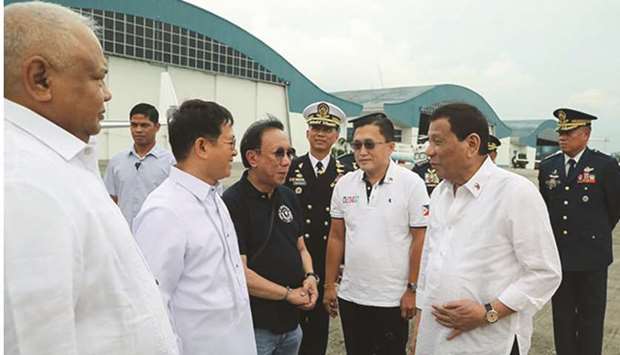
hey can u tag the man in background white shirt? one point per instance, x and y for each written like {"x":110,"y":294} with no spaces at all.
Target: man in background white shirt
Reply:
{"x":75,"y":282}
{"x":133,"y":173}
{"x":490,"y":260}
{"x":187,"y":237}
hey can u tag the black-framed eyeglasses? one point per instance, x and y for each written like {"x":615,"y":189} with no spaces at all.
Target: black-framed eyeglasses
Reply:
{"x":369,"y":144}
{"x":280,"y":153}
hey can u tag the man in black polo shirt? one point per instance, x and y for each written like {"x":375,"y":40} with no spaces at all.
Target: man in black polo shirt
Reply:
{"x":268,"y":220}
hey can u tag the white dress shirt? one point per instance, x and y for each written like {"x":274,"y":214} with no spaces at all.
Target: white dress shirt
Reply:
{"x":189,"y":241}
{"x":314,"y":162}
{"x":75,"y":281}
{"x":491,"y":240}
{"x":377,"y":233}
{"x":131,"y":178}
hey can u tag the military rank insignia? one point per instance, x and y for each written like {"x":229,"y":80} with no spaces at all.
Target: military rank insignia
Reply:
{"x":586,"y":177}
{"x":431,"y":178}
{"x":298,"y":179}
{"x":553,"y":180}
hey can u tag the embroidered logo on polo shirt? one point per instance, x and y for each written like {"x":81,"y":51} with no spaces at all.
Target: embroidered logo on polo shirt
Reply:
{"x":285,"y":214}
{"x":425,"y":210}
{"x":350,"y":199}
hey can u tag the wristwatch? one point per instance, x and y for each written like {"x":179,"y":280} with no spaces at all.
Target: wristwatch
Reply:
{"x":412,"y":286}
{"x":316,"y":277}
{"x":491,"y":316}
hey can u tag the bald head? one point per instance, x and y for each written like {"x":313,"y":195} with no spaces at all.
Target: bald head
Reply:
{"x":41,"y":29}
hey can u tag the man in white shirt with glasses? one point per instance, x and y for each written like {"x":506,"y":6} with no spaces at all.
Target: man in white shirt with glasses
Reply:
{"x":189,"y":240}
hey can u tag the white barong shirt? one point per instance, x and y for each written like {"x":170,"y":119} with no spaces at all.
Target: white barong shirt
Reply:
{"x":190,"y":243}
{"x":75,"y":281}
{"x":491,"y":240}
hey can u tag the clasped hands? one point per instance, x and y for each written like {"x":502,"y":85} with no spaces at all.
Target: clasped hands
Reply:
{"x":304,"y":297}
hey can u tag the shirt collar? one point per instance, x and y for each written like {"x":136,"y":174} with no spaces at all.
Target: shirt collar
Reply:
{"x":576,"y":157}
{"x":314,"y":160}
{"x":155,"y":151}
{"x":390,"y":174}
{"x":253,"y":191}
{"x":478,"y":181}
{"x":194,"y":185}
{"x":55,"y":137}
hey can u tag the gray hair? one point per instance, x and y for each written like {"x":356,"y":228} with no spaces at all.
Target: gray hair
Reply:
{"x":32,"y":28}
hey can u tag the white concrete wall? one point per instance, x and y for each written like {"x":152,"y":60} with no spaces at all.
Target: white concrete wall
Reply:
{"x":298,"y":133}
{"x":133,"y":81}
{"x":504,"y":153}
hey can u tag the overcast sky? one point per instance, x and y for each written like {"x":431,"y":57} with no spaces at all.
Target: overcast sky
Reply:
{"x":526,"y":58}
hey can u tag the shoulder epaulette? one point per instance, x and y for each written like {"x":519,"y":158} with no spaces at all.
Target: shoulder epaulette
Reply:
{"x":551,"y":156}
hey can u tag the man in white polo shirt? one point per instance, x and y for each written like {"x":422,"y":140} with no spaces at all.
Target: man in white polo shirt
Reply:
{"x":379,"y":214}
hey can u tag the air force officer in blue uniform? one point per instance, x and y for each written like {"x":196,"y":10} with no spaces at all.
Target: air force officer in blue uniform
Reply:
{"x":581,"y":188}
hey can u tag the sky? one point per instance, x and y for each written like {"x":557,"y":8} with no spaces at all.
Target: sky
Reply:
{"x":526,"y":58}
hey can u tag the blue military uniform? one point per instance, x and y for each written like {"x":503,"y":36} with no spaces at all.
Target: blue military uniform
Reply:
{"x":584,"y":207}
{"x":314,"y":192}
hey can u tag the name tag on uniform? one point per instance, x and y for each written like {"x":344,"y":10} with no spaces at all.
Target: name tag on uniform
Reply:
{"x":297,"y":181}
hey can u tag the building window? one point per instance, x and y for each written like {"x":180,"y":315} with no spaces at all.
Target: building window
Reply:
{"x":398,"y":135}
{"x":148,"y":39}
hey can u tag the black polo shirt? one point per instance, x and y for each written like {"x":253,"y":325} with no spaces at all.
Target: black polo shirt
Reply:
{"x":279,"y":261}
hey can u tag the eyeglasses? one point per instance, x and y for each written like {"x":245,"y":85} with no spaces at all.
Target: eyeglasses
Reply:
{"x":280,"y":153}
{"x":369,"y":144}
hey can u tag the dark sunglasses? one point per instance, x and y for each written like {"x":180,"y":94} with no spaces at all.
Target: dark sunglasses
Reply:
{"x":281,"y":152}
{"x":369,"y":144}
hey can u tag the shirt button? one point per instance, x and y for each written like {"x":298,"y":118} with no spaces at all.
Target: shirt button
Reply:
{"x":566,"y":188}
{"x":308,"y":221}
{"x":324,"y":237}
{"x":326,"y":209}
{"x":309,"y":207}
{"x":88,"y":150}
{"x":307,"y":235}
{"x":565,"y":232}
{"x":593,"y":237}
{"x":326,"y":223}
{"x":564,"y":218}
{"x":565,"y":202}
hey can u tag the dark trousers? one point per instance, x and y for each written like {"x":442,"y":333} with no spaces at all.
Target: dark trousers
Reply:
{"x":315,"y":325}
{"x":579,"y":312}
{"x":373,"y":330}
{"x":515,"y":348}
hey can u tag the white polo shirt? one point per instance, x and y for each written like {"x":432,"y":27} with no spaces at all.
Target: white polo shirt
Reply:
{"x":377,"y":236}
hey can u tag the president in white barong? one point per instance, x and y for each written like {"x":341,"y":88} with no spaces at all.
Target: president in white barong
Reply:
{"x":489,"y":260}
